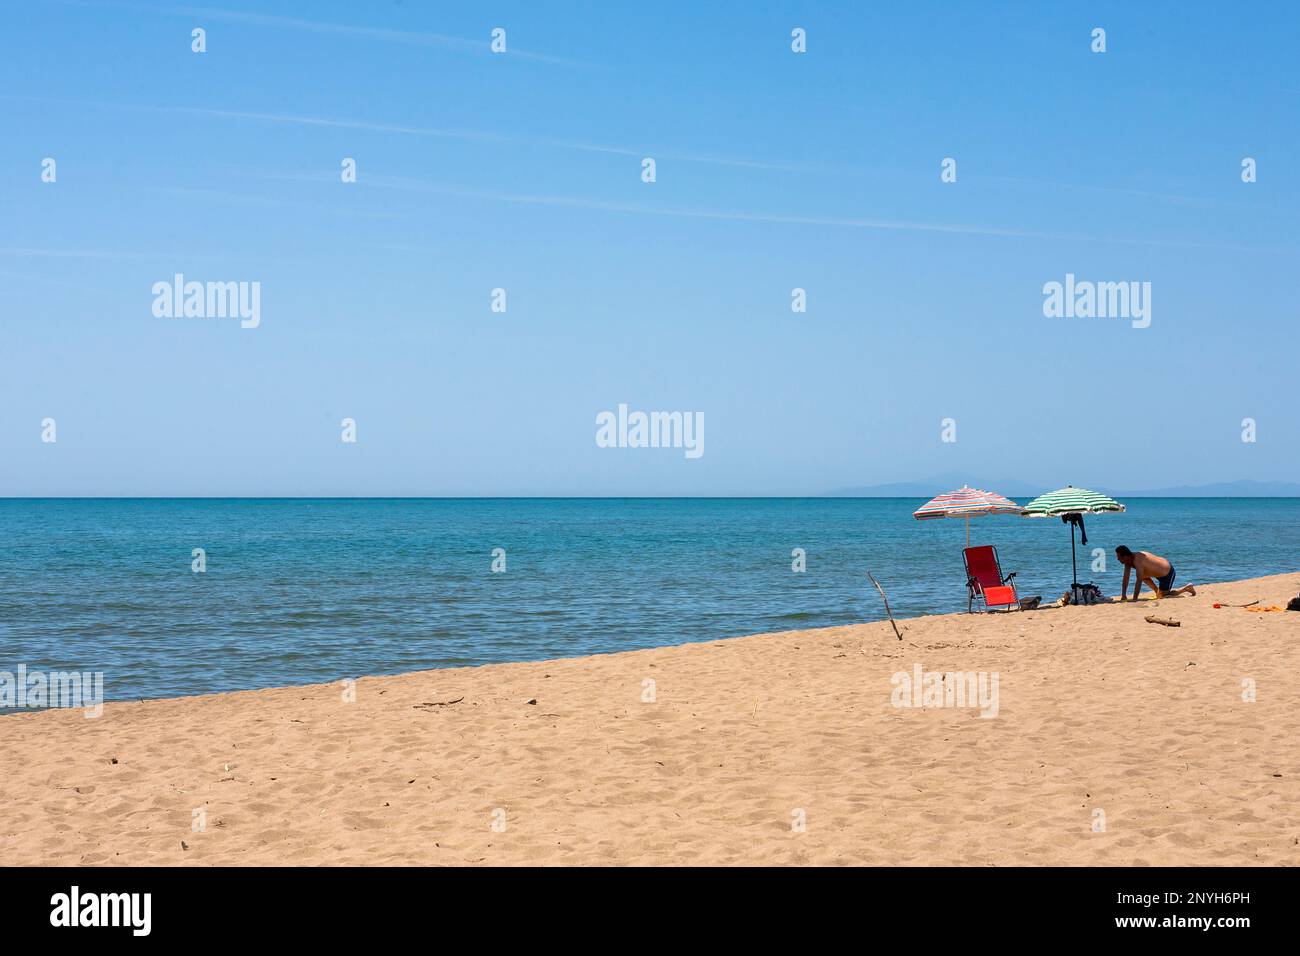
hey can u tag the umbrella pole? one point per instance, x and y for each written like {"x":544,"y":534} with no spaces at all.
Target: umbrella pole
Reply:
{"x":1074,"y":563}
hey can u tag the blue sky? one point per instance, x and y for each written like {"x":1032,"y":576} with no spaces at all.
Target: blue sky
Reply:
{"x":522,"y":170}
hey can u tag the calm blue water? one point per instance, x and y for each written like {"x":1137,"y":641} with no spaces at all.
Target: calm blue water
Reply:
{"x":300,"y":591}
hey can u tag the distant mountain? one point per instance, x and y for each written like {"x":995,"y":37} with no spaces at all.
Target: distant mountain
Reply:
{"x":937,"y":484}
{"x":1023,"y":490}
{"x":1222,"y":489}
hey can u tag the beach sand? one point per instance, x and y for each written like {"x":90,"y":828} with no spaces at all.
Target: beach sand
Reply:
{"x":1099,"y":712}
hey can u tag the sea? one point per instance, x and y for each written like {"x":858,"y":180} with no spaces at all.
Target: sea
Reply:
{"x":173,"y":597}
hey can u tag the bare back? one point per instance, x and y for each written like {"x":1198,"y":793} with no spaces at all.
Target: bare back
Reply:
{"x":1148,"y":565}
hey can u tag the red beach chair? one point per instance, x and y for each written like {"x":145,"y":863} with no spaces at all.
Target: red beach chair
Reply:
{"x":984,"y":577}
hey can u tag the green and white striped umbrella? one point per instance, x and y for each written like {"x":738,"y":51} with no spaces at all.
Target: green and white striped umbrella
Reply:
{"x":1070,"y":504}
{"x":1070,"y":500}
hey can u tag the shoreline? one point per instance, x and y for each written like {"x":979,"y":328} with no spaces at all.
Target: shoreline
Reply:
{"x":1047,"y":606}
{"x":780,"y":748}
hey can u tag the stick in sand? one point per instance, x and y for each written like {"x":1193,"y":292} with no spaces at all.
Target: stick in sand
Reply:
{"x":886,"y":600}
{"x":1167,"y":622}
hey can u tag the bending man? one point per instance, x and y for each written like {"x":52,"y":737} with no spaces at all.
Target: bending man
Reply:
{"x":1152,"y":570}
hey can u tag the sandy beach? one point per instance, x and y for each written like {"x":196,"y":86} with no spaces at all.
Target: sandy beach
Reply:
{"x":1115,"y":741}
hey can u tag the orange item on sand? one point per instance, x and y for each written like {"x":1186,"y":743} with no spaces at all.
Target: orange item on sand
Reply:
{"x":1272,"y":607}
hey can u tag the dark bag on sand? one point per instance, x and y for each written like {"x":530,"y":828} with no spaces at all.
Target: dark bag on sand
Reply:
{"x":1293,"y":604}
{"x":1088,"y":594}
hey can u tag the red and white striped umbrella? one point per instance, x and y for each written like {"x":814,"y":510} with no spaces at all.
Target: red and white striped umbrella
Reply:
{"x":966,"y":503}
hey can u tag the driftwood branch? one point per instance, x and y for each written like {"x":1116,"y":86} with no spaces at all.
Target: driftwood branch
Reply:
{"x":886,"y":600}
{"x":1167,"y":622}
{"x":437,"y":703}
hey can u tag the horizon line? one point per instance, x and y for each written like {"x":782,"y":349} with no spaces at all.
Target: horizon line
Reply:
{"x":737,"y":497}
